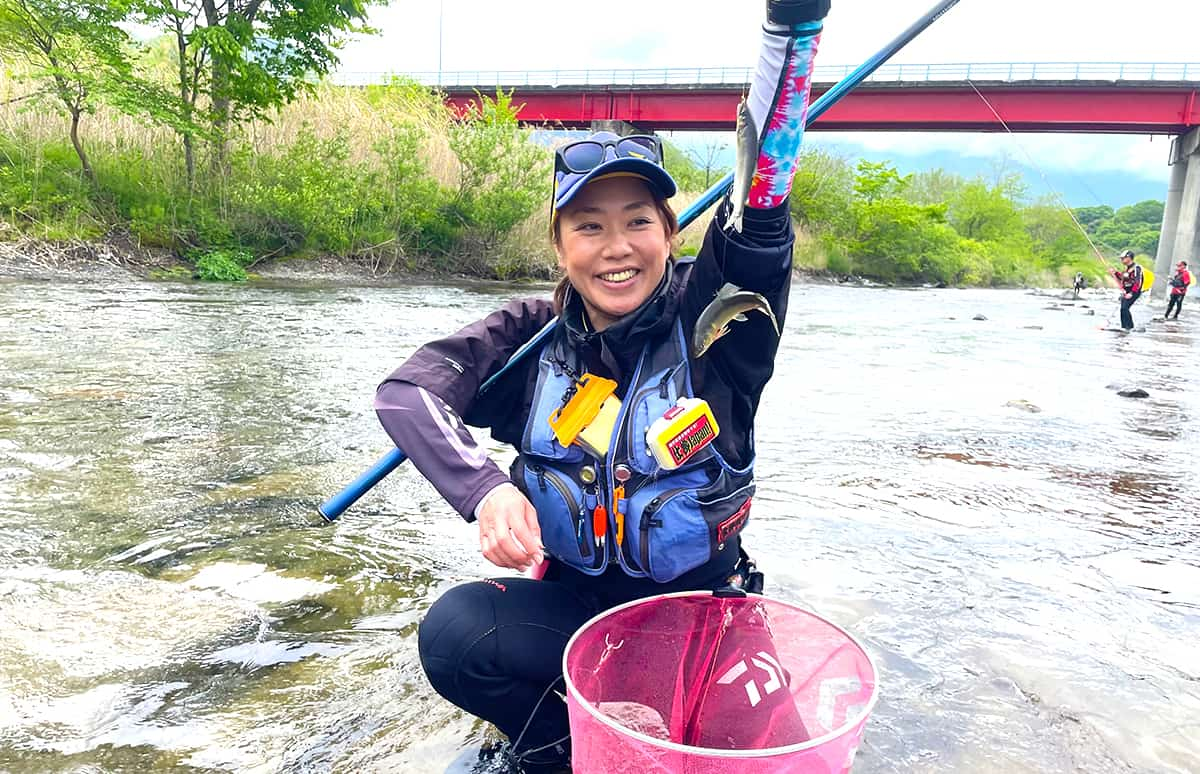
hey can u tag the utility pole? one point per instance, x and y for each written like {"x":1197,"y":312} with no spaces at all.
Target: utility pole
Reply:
{"x":441,"y":14}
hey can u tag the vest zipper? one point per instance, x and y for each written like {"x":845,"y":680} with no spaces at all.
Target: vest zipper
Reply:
{"x":610,"y":485}
{"x":573,"y":506}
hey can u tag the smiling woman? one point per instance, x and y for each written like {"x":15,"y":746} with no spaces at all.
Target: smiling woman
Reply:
{"x":586,"y":499}
{"x":613,"y":241}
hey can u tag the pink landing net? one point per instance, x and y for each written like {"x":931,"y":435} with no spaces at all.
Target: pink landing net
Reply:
{"x":696,"y":684}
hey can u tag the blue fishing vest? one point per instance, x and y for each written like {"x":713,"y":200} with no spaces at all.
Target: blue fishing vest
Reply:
{"x":675,"y":520}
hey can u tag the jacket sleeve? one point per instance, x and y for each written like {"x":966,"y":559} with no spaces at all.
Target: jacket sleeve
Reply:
{"x":438,"y":443}
{"x":422,"y":404}
{"x":454,"y":368}
{"x":758,"y":259}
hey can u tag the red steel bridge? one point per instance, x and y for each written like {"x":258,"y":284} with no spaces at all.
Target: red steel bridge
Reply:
{"x":1091,"y":97}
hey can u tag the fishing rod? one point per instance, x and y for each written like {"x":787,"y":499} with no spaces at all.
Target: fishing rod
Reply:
{"x":337,"y":505}
{"x":1042,"y":173}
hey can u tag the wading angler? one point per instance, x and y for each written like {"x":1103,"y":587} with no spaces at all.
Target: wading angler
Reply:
{"x":632,"y":421}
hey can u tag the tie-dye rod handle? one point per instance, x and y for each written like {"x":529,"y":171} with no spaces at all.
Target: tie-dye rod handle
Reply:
{"x":829,"y":99}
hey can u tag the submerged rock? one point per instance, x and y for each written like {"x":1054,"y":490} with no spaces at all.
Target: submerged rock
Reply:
{"x":979,"y":317}
{"x":636,"y":717}
{"x":1024,"y":405}
{"x":1033,"y":327}
{"x":1136,"y":392}
{"x":1091,"y":312}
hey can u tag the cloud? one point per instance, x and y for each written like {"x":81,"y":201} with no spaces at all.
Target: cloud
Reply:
{"x":1141,"y":156}
{"x":546,"y":34}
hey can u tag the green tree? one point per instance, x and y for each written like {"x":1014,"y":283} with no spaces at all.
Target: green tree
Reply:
{"x":982,"y":212}
{"x":1091,"y":217}
{"x":822,"y":191}
{"x":1055,"y":238}
{"x":502,"y":175}
{"x":934,"y":186}
{"x":73,"y":50}
{"x":877,"y":180}
{"x":249,"y":57}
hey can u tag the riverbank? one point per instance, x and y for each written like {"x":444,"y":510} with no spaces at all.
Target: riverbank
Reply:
{"x":118,"y":257}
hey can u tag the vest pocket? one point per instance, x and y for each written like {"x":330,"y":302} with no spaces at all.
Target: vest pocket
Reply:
{"x":679,"y":529}
{"x":558,"y":500}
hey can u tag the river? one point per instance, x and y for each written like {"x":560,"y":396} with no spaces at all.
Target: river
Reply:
{"x":1028,"y":581}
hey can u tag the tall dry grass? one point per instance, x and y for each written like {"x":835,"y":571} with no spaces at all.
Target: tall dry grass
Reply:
{"x":366,"y":173}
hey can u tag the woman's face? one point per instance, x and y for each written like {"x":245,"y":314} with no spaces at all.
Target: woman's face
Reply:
{"x":613,"y":245}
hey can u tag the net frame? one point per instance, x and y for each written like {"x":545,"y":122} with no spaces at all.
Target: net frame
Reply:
{"x":716,"y":752}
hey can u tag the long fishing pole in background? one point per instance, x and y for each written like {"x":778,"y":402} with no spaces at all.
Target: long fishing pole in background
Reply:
{"x":1029,"y":157}
{"x":1057,"y":197}
{"x":337,"y":505}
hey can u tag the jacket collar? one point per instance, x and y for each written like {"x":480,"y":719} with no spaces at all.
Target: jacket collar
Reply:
{"x":621,"y":343}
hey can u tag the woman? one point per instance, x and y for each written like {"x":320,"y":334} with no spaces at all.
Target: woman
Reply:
{"x":615,"y":522}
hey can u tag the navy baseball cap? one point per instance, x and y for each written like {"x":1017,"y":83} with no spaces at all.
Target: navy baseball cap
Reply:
{"x":605,"y":154}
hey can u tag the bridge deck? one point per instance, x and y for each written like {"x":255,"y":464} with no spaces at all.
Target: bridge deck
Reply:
{"x":1077,"y":106}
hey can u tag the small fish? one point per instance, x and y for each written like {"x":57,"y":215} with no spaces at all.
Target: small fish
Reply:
{"x":730,"y":305}
{"x":744,"y":165}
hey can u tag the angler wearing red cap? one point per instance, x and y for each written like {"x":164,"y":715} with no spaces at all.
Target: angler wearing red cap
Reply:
{"x":635,"y":452}
{"x":1131,"y":281}
{"x":1179,"y":286}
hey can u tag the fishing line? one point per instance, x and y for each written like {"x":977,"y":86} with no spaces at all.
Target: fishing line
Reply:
{"x":512,"y":748}
{"x":1040,"y":172}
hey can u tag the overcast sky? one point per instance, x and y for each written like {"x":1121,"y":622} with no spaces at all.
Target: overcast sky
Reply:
{"x":546,"y":34}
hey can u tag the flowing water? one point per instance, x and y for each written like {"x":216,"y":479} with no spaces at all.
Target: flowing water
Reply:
{"x":1028,"y":580}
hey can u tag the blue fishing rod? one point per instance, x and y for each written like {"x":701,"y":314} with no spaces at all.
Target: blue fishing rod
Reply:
{"x":337,"y":505}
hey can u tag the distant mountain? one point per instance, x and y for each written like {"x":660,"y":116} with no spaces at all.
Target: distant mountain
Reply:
{"x":1079,"y":188}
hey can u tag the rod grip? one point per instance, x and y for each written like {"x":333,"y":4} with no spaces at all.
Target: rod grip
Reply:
{"x":335,"y":506}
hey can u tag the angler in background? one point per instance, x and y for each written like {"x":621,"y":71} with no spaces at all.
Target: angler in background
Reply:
{"x":1130,"y":281}
{"x":1080,"y":283}
{"x":1179,"y":287}
{"x":633,"y":423}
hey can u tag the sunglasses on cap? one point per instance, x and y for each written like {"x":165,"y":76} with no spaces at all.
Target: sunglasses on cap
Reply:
{"x":585,"y":155}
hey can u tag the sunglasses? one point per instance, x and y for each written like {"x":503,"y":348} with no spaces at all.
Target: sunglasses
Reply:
{"x":585,"y":155}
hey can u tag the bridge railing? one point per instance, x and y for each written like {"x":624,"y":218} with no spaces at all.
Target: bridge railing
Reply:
{"x":973,"y":71}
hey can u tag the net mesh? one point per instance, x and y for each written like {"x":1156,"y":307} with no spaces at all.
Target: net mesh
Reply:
{"x":699,"y":684}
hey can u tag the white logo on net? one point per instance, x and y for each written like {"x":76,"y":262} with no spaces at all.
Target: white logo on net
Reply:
{"x":764,"y":661}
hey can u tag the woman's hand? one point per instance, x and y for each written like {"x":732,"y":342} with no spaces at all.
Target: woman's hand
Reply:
{"x":509,"y":535}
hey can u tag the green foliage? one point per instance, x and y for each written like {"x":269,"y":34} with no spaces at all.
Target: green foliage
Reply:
{"x":1135,"y":227}
{"x":76,"y":55}
{"x":367,"y":194}
{"x":934,"y":186}
{"x":982,"y":212}
{"x":503,"y":177}
{"x":936,"y":227}
{"x":822,"y":191}
{"x":695,"y":169}
{"x":223,"y":265}
{"x":251,"y":56}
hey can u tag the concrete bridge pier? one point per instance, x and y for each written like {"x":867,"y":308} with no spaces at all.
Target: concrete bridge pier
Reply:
{"x":616,"y":126}
{"x":1179,"y":239}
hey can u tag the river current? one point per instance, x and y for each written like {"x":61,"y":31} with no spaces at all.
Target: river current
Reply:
{"x":1017,"y":545}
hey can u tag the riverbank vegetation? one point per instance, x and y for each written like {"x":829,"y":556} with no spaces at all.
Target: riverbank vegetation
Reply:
{"x":226,"y":147}
{"x":865,"y":218}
